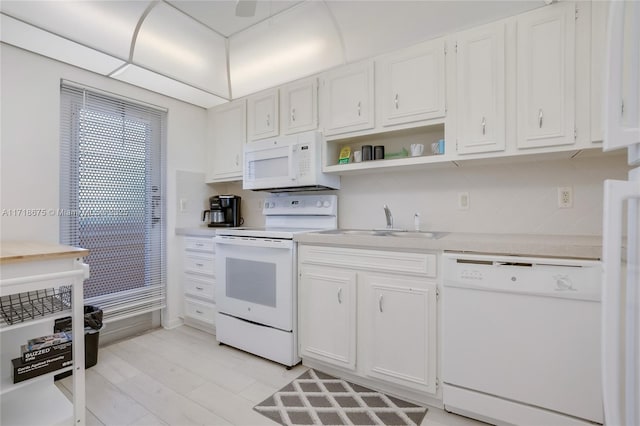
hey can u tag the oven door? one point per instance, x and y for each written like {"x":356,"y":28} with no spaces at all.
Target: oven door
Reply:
{"x":255,"y":280}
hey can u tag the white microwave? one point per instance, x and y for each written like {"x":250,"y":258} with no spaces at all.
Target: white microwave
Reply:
{"x":287,"y":163}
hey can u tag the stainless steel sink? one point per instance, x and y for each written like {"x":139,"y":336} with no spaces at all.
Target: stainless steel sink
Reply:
{"x":417,"y":234}
{"x":366,"y":232}
{"x":385,"y":233}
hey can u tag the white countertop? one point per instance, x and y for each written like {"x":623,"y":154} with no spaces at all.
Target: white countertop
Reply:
{"x":197,"y":231}
{"x":574,"y":246}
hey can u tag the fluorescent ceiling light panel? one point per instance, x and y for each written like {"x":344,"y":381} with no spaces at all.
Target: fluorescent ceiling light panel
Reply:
{"x":294,"y":44}
{"x":107,"y":26}
{"x":178,"y":46}
{"x":30,"y":38}
{"x":221,"y":14}
{"x":370,"y":28}
{"x":166,"y":86}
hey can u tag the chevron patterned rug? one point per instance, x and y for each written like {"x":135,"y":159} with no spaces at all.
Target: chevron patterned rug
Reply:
{"x":316,"y":398}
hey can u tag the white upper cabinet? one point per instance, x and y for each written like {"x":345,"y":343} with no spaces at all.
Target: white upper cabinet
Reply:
{"x":480,"y":79}
{"x":299,"y":106}
{"x":263,"y":115}
{"x":348,"y":102}
{"x":599,"y":17}
{"x":546,"y":76}
{"x":412,"y":85}
{"x":622,"y":93}
{"x":226,"y":129}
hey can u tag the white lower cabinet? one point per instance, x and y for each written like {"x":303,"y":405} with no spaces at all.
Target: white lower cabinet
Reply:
{"x":400,"y":314}
{"x":328,"y":324}
{"x":371,"y":314}
{"x":198,"y":282}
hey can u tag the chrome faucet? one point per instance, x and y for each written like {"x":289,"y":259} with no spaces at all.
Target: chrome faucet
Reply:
{"x":389,"y":217}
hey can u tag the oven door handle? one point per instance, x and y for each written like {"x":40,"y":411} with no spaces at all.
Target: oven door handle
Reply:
{"x":254,"y":242}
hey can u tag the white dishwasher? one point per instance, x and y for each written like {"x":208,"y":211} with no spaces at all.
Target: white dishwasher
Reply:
{"x":521,"y":339}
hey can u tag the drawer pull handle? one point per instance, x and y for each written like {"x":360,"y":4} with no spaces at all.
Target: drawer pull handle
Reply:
{"x":199,"y":288}
{"x":484,"y":125}
{"x":380,"y":303}
{"x":200,"y":265}
{"x":396,"y":100}
{"x":293,"y":114}
{"x":340,"y":295}
{"x":199,"y":244}
{"x":199,"y":312}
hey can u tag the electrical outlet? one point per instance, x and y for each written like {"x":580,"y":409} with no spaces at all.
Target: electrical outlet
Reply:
{"x":463,"y":201}
{"x":565,"y":197}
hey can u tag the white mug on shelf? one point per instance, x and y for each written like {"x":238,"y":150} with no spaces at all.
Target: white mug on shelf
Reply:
{"x":417,"y":149}
{"x":357,"y":156}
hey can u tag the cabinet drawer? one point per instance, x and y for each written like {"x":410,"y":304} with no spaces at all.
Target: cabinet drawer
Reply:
{"x":202,"y":311}
{"x":200,"y":264}
{"x":370,"y":260}
{"x":199,"y":244}
{"x":199,"y":288}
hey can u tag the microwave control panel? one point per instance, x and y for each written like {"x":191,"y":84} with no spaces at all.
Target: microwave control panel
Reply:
{"x":304,"y":161}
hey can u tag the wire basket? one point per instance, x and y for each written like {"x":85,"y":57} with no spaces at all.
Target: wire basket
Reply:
{"x":21,"y":307}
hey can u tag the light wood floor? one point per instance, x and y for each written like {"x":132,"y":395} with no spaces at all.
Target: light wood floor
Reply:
{"x":183,"y":377}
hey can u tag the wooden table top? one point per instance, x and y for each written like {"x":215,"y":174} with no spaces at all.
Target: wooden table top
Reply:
{"x":21,"y":251}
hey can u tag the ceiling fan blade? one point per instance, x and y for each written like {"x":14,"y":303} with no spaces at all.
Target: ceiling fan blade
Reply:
{"x":245,"y":8}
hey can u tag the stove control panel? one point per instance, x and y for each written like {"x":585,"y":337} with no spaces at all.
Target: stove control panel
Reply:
{"x":300,"y":205}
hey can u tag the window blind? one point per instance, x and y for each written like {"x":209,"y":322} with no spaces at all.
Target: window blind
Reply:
{"x":112,"y":198}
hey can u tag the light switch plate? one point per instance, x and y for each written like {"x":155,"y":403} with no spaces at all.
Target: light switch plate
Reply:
{"x":463,"y":201}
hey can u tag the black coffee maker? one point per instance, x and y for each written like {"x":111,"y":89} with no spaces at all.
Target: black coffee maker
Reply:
{"x":224,"y":211}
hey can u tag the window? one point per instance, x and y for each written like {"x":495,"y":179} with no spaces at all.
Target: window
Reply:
{"x":112,"y":199}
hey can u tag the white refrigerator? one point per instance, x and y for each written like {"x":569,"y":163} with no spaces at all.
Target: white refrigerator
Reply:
{"x":621,"y":257}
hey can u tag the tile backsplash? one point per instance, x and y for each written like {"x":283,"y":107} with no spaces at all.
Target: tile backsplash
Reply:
{"x":518,"y":197}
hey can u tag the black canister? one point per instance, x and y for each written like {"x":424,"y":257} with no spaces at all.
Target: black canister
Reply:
{"x":378,"y":152}
{"x":367,"y":153}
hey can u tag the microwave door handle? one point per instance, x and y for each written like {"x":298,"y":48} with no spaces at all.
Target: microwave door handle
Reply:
{"x":292,"y":173}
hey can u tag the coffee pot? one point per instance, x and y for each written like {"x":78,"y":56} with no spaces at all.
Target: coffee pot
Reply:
{"x":224,"y":211}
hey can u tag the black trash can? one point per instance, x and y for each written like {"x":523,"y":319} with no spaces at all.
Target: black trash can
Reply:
{"x":92,"y":326}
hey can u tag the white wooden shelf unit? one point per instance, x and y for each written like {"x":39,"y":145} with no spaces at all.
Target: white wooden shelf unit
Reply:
{"x":32,"y":267}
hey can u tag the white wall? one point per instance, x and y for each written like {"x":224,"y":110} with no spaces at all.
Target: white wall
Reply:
{"x":504,"y":198}
{"x":30,"y":134}
{"x":518,"y":197}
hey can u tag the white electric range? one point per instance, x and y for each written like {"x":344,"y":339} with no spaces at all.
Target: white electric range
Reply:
{"x":256,"y":295}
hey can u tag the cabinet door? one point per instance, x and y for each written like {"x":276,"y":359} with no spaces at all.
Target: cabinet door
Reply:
{"x":481,"y":89}
{"x":412,"y":84}
{"x":546,"y":76}
{"x":227,"y":136}
{"x":263,"y":115}
{"x":400,"y":330}
{"x":299,"y":110}
{"x":622,"y":93}
{"x":599,"y":18}
{"x":328,"y":315}
{"x":348,"y":99}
